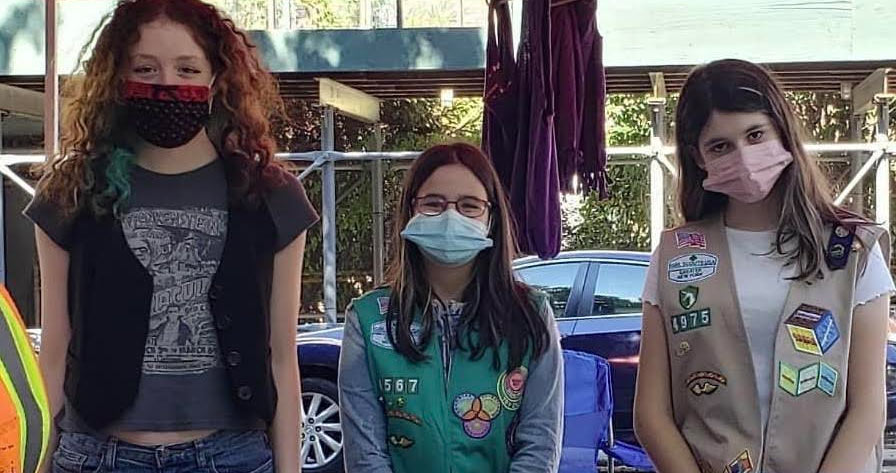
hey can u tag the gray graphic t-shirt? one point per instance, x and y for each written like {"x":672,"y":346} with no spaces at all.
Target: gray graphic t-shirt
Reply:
{"x":184,"y":382}
{"x":181,"y":250}
{"x":176,"y":226}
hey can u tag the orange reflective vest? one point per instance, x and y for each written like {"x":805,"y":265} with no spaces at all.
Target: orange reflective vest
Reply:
{"x":24,"y":409}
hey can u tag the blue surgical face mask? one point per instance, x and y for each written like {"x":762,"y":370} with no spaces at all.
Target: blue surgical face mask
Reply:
{"x":449,"y":239}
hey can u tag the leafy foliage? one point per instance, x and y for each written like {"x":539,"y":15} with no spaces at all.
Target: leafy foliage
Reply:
{"x":620,"y":222}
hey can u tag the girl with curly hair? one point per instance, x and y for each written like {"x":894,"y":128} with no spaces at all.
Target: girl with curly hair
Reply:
{"x":170,"y":246}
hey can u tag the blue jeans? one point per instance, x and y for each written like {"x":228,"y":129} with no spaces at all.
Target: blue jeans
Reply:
{"x":222,"y":452}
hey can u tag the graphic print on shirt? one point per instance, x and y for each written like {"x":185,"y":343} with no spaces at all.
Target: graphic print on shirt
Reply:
{"x":181,"y":249}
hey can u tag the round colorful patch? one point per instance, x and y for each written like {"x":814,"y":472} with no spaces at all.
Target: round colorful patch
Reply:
{"x":463,"y":404}
{"x":477,"y":428}
{"x":477,"y":412}
{"x":510,"y":388}
{"x":491,"y":405}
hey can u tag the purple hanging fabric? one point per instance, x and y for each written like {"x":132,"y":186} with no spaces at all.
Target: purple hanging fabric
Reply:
{"x":580,"y":102}
{"x":518,"y":132}
{"x":499,"y":127}
{"x":535,"y":187}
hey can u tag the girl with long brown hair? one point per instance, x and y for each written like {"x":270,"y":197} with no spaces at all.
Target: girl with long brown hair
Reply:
{"x":454,"y":365}
{"x":765,"y":314}
{"x":170,"y":247}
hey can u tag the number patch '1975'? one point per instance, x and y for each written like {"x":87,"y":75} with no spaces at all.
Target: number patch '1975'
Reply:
{"x":691,"y":320}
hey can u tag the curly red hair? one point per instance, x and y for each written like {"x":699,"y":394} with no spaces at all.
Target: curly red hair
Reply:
{"x":246,"y":97}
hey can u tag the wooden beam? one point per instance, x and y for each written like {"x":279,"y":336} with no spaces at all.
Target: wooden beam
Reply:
{"x":863,"y":94}
{"x":349,"y":101}
{"x":19,"y":101}
{"x":658,"y":85}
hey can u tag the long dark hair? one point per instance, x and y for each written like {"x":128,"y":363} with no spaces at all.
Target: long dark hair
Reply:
{"x":93,"y":165}
{"x":498,"y":308}
{"x":733,"y":85}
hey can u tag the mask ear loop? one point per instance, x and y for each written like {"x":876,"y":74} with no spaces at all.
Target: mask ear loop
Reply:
{"x":491,"y":221}
{"x":211,"y":93}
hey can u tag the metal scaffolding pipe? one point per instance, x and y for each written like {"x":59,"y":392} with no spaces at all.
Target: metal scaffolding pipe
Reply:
{"x":882,"y":176}
{"x":329,"y":215}
{"x":657,"y":176}
{"x":51,"y":81}
{"x":379,"y":214}
{"x":857,"y":178}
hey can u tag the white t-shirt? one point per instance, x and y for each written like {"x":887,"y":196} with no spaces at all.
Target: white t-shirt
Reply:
{"x":762,"y":289}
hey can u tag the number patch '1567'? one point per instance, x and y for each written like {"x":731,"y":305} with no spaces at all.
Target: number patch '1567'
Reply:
{"x":691,"y":320}
{"x":399,"y":385}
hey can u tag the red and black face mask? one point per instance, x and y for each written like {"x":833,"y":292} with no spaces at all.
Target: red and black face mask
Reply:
{"x":167,"y":116}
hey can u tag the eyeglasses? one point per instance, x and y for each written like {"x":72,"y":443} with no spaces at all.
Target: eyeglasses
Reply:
{"x":432,"y":205}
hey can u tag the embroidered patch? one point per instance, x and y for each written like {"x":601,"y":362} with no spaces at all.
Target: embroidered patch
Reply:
{"x":691,"y":321}
{"x":511,"y":386}
{"x":742,"y":464}
{"x":683,"y":349}
{"x":400,"y":414}
{"x":401,"y":402}
{"x":687,"y":297}
{"x":798,"y":382}
{"x":827,"y":378}
{"x":837,"y":253}
{"x":491,"y":405}
{"x":379,"y":337}
{"x":400,"y":441}
{"x":693,"y":267}
{"x":399,"y":385}
{"x":690,"y":240}
{"x":477,"y":412}
{"x":477,"y":428}
{"x":463,"y":403}
{"x":383,"y":303}
{"x":812,"y":329}
{"x":705,"y":382}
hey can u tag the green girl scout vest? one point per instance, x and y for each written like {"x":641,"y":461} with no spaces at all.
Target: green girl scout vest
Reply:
{"x":463,"y":424}
{"x":714,"y":397}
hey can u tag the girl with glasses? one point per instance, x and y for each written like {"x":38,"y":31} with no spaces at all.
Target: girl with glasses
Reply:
{"x":454,"y":365}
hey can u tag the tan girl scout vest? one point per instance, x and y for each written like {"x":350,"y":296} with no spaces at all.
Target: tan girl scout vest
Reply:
{"x":714,"y":397}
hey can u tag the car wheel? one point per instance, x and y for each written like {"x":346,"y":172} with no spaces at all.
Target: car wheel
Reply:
{"x":321,"y":433}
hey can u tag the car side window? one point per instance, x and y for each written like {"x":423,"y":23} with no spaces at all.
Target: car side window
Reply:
{"x":554,"y":279}
{"x":619,"y":288}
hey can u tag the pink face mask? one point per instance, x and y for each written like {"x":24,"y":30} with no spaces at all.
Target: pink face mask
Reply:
{"x":748,"y":174}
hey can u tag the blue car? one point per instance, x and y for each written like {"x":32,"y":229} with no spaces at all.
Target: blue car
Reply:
{"x":596,"y":296}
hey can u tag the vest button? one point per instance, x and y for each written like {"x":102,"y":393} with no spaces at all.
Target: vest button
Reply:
{"x":244,"y":393}
{"x":223,"y":322}
{"x":234,"y":358}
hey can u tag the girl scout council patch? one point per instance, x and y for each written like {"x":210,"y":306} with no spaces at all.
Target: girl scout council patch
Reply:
{"x":379,"y":337}
{"x":511,"y":386}
{"x":693,"y":267}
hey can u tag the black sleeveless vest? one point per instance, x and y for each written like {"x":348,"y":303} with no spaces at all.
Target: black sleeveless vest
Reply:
{"x":110,"y":295}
